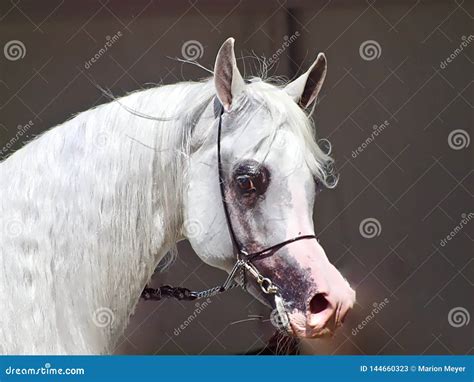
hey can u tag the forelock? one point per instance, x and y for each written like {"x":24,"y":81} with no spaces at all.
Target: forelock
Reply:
{"x":284,"y":113}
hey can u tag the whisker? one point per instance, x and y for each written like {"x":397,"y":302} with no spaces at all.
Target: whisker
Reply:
{"x":244,"y":320}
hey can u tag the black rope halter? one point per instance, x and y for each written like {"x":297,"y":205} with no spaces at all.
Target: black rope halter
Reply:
{"x":244,"y":259}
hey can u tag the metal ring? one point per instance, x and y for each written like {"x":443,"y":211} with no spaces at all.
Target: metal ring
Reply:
{"x":266,"y":285}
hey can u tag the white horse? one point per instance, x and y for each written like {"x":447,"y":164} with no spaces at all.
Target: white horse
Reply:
{"x":89,"y":208}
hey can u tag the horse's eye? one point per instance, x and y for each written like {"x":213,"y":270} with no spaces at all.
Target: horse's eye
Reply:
{"x":250,"y":179}
{"x":245,"y":183}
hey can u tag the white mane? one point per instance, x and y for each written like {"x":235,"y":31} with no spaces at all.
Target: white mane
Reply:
{"x":89,"y":208}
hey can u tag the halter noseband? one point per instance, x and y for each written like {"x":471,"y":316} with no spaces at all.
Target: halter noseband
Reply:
{"x":244,"y":259}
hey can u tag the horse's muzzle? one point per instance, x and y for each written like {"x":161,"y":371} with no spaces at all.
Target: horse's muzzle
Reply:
{"x":316,"y":296}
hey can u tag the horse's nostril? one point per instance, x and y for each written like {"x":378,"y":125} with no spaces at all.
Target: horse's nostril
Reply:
{"x":318,"y":303}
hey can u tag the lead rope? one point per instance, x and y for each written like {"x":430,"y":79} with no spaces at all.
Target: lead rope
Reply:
{"x":243,"y":263}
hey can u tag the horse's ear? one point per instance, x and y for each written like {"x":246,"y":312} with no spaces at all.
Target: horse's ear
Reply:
{"x":227,"y":78}
{"x":306,"y":87}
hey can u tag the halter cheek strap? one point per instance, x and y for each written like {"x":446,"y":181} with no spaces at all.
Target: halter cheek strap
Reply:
{"x":243,"y":265}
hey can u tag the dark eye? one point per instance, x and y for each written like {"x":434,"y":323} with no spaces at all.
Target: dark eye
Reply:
{"x":245,"y":183}
{"x":251,"y":178}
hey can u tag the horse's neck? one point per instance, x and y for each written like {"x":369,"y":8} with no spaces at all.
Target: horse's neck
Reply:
{"x":91,"y":230}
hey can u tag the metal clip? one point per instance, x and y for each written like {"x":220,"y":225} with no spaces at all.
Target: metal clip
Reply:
{"x":252,"y":270}
{"x":266,"y":285}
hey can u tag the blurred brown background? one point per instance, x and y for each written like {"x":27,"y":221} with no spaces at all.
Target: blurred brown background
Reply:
{"x":414,"y":180}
